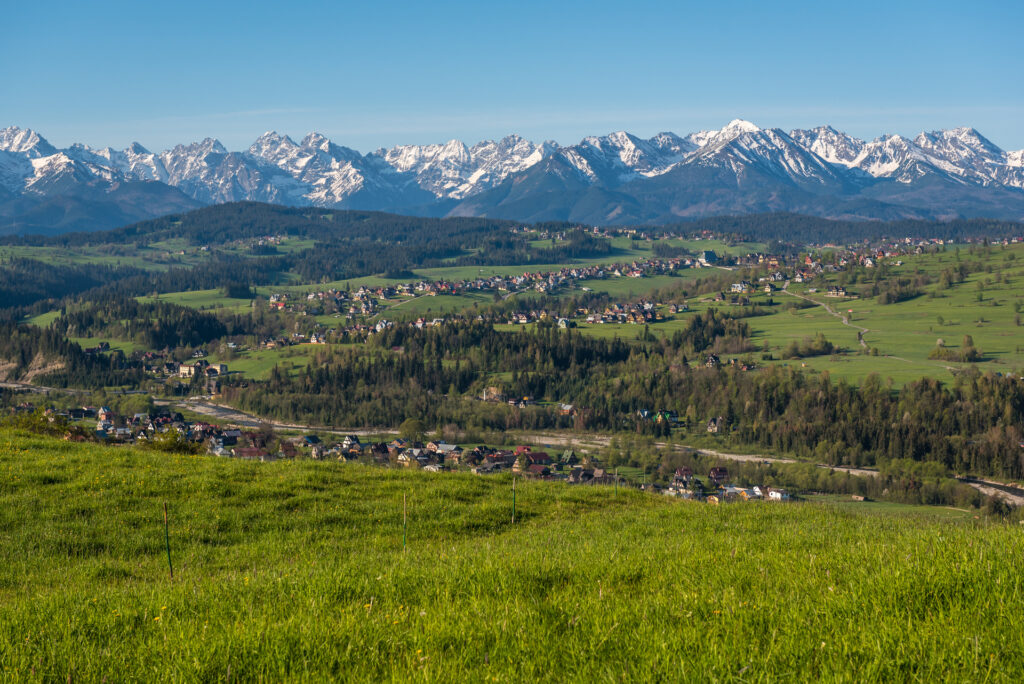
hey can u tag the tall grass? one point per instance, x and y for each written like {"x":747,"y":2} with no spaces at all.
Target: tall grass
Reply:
{"x":295,"y":571}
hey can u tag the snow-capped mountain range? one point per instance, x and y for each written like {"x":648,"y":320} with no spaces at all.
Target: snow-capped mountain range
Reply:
{"x":617,"y":178}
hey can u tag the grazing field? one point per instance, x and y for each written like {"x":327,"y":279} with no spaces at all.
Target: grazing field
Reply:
{"x":204,"y":300}
{"x":296,"y":571}
{"x":257,"y":363}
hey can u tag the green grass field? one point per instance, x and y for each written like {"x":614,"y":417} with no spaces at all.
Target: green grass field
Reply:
{"x":295,"y":571}
{"x":204,"y":299}
{"x":257,"y":363}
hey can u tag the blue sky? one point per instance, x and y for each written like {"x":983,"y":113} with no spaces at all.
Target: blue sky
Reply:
{"x":382,"y":73}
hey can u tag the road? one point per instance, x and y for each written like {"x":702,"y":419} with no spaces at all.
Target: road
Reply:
{"x":230,"y":416}
{"x":597,"y":441}
{"x":39,"y":389}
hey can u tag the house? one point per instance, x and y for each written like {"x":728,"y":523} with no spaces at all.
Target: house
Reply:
{"x":580,"y":475}
{"x":718,"y":475}
{"x":539,"y":458}
{"x":778,"y":495}
{"x":707,"y":258}
{"x":683,"y":476}
{"x":449,"y":453}
{"x":379,"y":451}
{"x":397,"y":445}
{"x":410,"y":457}
{"x":251,"y":454}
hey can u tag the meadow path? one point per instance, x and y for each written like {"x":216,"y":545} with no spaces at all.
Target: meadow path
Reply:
{"x":845,"y":319}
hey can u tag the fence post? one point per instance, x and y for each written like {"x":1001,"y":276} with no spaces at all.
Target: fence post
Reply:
{"x":167,"y":542}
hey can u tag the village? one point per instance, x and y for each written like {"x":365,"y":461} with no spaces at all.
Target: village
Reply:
{"x":435,"y":456}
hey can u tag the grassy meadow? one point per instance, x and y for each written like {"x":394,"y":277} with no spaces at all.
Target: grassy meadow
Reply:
{"x":295,"y":571}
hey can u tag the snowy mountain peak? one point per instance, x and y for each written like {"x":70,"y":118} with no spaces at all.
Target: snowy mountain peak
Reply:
{"x":315,"y":141}
{"x":959,"y":145}
{"x":733,"y":130}
{"x":829,"y":144}
{"x":273,"y":137}
{"x":25,"y":141}
{"x":272,"y":145}
{"x":203,"y":147}
{"x":741,"y":126}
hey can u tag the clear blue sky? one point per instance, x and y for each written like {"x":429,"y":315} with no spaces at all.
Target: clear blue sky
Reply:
{"x":373,"y":74}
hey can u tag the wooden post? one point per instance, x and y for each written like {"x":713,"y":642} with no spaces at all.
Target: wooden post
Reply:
{"x":405,"y":521}
{"x":616,"y":482}
{"x":167,"y":542}
{"x":513,"y":500}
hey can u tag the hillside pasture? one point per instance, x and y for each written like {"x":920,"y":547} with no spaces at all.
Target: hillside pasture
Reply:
{"x":301,"y":571}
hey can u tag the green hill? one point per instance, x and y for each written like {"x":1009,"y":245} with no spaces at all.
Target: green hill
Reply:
{"x":296,"y":571}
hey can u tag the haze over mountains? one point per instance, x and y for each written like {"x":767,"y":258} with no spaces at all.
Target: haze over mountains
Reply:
{"x":613,"y":179}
